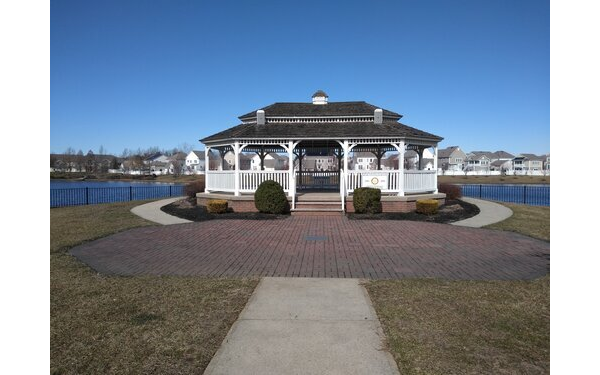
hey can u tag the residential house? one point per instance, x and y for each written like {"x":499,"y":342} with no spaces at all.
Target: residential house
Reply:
{"x":319,"y":163}
{"x":479,"y":161}
{"x":245,"y":161}
{"x":501,"y":155}
{"x":271,"y":162}
{"x":528,"y":163}
{"x":177,"y":163}
{"x":90,"y":162}
{"x":501,"y":165}
{"x":157,"y":157}
{"x":547,"y":164}
{"x":451,"y":159}
{"x":364,"y":161}
{"x":194,"y":162}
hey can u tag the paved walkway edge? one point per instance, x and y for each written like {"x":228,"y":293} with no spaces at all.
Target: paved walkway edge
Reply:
{"x":305,"y":326}
{"x":489,"y":213}
{"x":151,"y":212}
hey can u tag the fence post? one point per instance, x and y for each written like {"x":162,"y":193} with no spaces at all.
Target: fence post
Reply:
{"x":170,"y":191}
{"x":479,"y":191}
{"x":87,"y":196}
{"x":131,"y":193}
{"x":524,"y":194}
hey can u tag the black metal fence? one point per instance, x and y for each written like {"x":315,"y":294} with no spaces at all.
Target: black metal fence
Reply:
{"x":534,"y":195}
{"x":93,"y":195}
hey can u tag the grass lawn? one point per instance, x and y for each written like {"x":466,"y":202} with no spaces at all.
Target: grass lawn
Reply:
{"x":124,"y":325}
{"x":494,"y":179}
{"x":533,"y":221}
{"x":457,"y":327}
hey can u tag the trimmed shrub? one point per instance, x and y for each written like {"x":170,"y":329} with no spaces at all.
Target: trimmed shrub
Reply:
{"x":217,"y":206}
{"x":194,"y":187}
{"x":427,"y":206}
{"x":367,"y":201}
{"x":451,"y":191}
{"x":270,"y":198}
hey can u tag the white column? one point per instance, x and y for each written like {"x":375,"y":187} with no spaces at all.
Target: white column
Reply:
{"x":206,"y":168}
{"x":291,"y":180}
{"x":435,"y":166}
{"x":346,"y":150}
{"x":236,"y":151}
{"x":401,"y":149}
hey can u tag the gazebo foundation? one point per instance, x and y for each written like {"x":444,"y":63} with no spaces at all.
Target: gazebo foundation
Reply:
{"x":389,"y":203}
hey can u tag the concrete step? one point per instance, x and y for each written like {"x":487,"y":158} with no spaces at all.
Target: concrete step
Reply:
{"x":319,"y":206}
{"x":317,"y":213}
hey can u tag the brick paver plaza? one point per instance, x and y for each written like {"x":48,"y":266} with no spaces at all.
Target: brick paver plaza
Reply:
{"x":319,"y":246}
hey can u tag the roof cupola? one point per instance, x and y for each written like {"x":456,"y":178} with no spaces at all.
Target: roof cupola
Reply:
{"x":319,"y":97}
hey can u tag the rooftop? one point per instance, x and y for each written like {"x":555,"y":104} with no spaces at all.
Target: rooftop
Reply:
{"x":291,"y":109}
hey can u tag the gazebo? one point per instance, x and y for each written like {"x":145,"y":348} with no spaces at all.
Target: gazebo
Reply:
{"x":314,"y":129}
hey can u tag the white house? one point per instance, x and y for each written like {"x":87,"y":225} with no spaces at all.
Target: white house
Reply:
{"x":272,"y":162}
{"x":364,"y":161}
{"x":194,"y":162}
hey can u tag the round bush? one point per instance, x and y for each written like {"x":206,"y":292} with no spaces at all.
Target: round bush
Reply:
{"x":217,"y":206}
{"x":452,"y":191}
{"x":367,"y":200}
{"x":270,"y":198}
{"x":427,"y":206}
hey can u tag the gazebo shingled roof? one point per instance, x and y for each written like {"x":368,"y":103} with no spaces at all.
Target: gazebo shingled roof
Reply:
{"x":301,"y":130}
{"x":285,"y":109}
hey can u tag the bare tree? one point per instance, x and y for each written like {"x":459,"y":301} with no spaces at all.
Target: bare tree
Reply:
{"x":185,"y":147}
{"x":80,"y":161}
{"x":90,"y":162}
{"x":101,"y":150}
{"x":115,"y":163}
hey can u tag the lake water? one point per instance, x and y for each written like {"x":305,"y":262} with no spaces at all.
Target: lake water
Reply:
{"x":76,"y":193}
{"x":533,"y":195}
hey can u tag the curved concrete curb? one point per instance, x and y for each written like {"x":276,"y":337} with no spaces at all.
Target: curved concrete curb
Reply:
{"x":151,"y":211}
{"x":490,"y":213}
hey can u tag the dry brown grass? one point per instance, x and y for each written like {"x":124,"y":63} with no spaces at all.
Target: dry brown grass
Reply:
{"x":470,"y":327}
{"x":70,"y":226}
{"x":131,"y":325}
{"x":466,"y":327}
{"x":494,"y":179}
{"x":533,"y":221}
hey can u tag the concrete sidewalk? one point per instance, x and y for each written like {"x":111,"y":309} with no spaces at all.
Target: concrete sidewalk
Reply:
{"x":490,"y":213}
{"x":305,"y":326}
{"x":151,"y":212}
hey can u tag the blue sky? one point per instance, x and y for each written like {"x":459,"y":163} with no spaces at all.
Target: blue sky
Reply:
{"x":129,"y":74}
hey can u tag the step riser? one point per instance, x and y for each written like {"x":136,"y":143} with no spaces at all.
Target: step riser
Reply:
{"x":317,"y":213}
{"x":320,"y":206}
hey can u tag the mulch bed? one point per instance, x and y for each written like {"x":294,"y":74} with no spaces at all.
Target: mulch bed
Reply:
{"x":186,"y":209}
{"x":453,"y":210}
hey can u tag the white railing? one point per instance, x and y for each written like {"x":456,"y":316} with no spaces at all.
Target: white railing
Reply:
{"x":414,"y":181}
{"x":419,"y":181}
{"x":354,"y":180}
{"x":220,"y":181}
{"x":249,"y":180}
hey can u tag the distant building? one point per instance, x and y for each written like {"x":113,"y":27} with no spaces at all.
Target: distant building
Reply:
{"x":451,"y":159}
{"x":194,"y":162}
